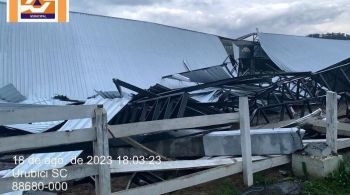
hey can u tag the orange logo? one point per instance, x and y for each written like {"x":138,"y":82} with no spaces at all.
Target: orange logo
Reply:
{"x":37,"y":10}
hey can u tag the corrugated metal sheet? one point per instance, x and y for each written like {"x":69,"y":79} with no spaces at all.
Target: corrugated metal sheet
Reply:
{"x":205,"y":75}
{"x":38,"y":127}
{"x":300,"y":54}
{"x":112,"y":107}
{"x":211,"y":96}
{"x":109,"y":94}
{"x":175,"y":84}
{"x":75,"y":58}
{"x":31,"y":102}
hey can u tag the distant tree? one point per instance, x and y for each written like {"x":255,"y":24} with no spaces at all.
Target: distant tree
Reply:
{"x":338,"y":36}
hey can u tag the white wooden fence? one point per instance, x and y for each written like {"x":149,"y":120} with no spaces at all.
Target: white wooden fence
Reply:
{"x":101,"y":132}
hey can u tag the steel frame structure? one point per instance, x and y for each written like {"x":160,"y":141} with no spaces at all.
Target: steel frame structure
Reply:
{"x":281,"y":93}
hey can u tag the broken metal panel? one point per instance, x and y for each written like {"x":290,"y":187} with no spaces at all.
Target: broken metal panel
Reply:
{"x":264,"y":142}
{"x":37,"y":127}
{"x":109,"y":94}
{"x":112,"y":107}
{"x":9,"y":93}
{"x":175,"y":84}
{"x":299,"y":53}
{"x":205,"y":75}
{"x":159,"y":102}
{"x":210,"y":96}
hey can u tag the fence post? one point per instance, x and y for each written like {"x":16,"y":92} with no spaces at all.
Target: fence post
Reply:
{"x":246,"y":146}
{"x":332,"y":120}
{"x":101,"y":150}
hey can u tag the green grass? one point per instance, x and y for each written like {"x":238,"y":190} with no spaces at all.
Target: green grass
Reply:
{"x":336,"y":183}
{"x":225,"y":188}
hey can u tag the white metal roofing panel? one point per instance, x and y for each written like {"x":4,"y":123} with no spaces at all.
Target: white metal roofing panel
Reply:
{"x":76,"y":58}
{"x":112,"y":107}
{"x":300,"y":54}
{"x":207,"y":75}
{"x":37,"y":127}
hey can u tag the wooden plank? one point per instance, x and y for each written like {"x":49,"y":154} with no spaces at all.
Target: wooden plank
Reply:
{"x":131,"y":166}
{"x":305,"y":118}
{"x":139,"y":128}
{"x":332,"y":119}
{"x":185,"y":181}
{"x":246,"y":145}
{"x":270,"y":163}
{"x":42,"y":140}
{"x":67,"y":174}
{"x":342,"y":142}
{"x":44,"y":114}
{"x":321,"y":126}
{"x":101,"y":151}
{"x":290,"y":123}
{"x":202,"y":177}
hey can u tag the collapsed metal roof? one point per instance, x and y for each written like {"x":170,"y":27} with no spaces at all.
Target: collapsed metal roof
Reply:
{"x":76,"y":58}
{"x":299,"y":54}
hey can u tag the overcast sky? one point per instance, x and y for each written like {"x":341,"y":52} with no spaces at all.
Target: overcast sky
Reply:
{"x":230,"y":18}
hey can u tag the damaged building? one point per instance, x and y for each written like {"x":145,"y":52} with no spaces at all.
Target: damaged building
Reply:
{"x":142,"y":71}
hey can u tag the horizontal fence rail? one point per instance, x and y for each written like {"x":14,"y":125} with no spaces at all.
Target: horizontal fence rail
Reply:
{"x":101,"y":132}
{"x":204,"y":176}
{"x":44,"y":114}
{"x":43,"y":140}
{"x":118,"y":167}
{"x":140,"y":128}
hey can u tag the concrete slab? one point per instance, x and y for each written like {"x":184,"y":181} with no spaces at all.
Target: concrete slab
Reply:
{"x":314,"y":167}
{"x":264,"y":142}
{"x":318,"y":149}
